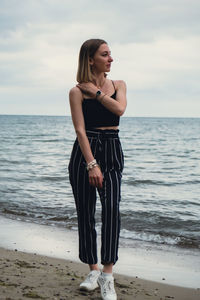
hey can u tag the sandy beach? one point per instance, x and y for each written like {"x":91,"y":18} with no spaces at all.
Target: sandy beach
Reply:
{"x":32,"y":276}
{"x":41,"y":262}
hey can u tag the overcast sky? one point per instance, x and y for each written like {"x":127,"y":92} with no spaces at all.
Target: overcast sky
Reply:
{"x":155,"y":45}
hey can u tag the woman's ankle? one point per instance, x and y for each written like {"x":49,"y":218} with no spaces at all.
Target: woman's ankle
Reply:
{"x":108,"y":268}
{"x":94,"y":267}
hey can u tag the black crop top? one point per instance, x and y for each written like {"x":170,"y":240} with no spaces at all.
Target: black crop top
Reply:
{"x":97,"y":115}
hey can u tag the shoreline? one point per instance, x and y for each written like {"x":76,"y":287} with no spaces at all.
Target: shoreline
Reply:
{"x":161,"y":264}
{"x":25,"y":276}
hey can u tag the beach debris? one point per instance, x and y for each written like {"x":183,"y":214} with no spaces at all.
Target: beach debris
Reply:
{"x":44,"y":263}
{"x":24,"y":264}
{"x":33,"y":295}
{"x":27,"y":287}
{"x":156,"y":292}
{"x":120,"y":285}
{"x":7,"y":284}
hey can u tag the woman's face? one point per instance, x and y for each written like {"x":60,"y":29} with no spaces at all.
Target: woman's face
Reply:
{"x":101,"y":62}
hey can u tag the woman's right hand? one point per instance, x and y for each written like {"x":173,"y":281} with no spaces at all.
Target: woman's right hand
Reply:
{"x":95,"y":177}
{"x":88,"y":88}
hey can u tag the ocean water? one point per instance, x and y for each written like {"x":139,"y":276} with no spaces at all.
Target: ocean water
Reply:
{"x":161,"y":181}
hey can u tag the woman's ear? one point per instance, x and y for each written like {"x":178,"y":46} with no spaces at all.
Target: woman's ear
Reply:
{"x":91,"y":61}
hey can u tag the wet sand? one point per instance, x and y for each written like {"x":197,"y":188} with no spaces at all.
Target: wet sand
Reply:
{"x":180,"y":267}
{"x":32,"y":276}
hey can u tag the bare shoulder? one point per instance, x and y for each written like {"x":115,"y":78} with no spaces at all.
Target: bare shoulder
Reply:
{"x":119,"y":84}
{"x":75,"y":93}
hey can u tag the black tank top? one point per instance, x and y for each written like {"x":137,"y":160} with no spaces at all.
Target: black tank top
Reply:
{"x":97,"y":115}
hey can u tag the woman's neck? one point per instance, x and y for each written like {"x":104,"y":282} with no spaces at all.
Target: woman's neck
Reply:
{"x":99,"y":80}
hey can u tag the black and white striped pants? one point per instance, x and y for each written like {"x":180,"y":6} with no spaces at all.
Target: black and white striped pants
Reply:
{"x":107,"y":150}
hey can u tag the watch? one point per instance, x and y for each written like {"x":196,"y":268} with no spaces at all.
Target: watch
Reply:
{"x":98,"y":93}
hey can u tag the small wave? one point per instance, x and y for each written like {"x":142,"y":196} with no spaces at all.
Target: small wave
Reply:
{"x":70,"y":219}
{"x":14,"y":162}
{"x":10,"y":190}
{"x":146,"y":182}
{"x":14,"y":212}
{"x":157,"y":182}
{"x":52,"y":178}
{"x":48,"y":141}
{"x":60,"y":219}
{"x":6,"y":170}
{"x":32,"y":135}
{"x":52,"y":141}
{"x":188,"y":242}
{"x":148,"y":237}
{"x":161,"y":239}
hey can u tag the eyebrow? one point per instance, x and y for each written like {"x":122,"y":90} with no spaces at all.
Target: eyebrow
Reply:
{"x":109,"y":52}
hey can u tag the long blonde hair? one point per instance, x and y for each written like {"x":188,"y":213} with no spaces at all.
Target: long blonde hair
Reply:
{"x":87,"y":51}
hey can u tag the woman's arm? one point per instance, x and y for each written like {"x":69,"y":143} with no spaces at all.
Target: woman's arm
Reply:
{"x":75,"y":98}
{"x":117,"y":107}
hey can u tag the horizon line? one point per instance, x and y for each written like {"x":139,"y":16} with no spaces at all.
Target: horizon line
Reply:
{"x":43,"y":115}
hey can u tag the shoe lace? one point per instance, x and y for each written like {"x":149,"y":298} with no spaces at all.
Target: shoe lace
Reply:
{"x":109,"y":287}
{"x":90,"y":277}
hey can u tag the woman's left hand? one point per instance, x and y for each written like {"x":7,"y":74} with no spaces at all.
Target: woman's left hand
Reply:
{"x":88,"y":88}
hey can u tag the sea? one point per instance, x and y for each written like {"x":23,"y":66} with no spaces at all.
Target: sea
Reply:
{"x":160,"y":203}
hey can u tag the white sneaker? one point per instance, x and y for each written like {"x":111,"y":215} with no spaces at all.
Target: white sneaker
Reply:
{"x":90,"y":283}
{"x":106,"y":283}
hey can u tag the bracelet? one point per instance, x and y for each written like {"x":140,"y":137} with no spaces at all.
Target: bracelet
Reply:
{"x":91,"y":164}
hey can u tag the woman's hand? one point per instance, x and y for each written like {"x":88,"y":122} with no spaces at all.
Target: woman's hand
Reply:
{"x":88,"y":88}
{"x":95,"y":177}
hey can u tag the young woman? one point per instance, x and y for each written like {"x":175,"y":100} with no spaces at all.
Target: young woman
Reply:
{"x":97,"y":161}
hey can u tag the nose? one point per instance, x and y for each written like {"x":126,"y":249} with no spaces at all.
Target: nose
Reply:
{"x":110,"y":58}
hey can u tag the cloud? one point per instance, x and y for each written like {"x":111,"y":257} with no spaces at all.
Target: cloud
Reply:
{"x":127,"y":20}
{"x":160,"y":63}
{"x":154,"y":44}
{"x":41,"y":54}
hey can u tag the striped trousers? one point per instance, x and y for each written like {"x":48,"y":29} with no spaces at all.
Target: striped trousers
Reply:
{"x":107,"y":150}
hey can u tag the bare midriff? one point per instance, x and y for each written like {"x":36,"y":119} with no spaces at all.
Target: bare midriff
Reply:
{"x":107,"y":128}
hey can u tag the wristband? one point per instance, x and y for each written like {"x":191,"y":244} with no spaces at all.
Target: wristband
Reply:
{"x":91,"y":164}
{"x":98,"y":93}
